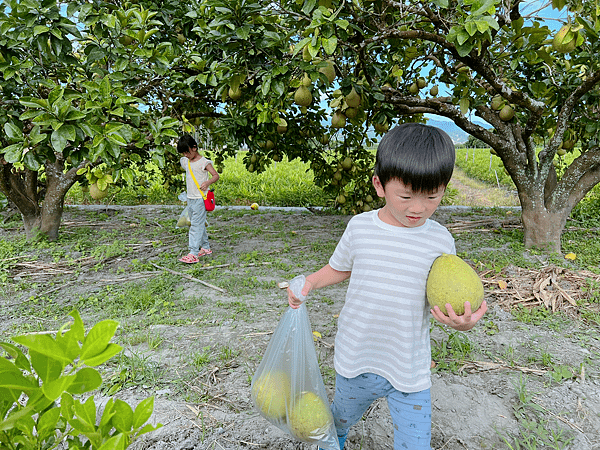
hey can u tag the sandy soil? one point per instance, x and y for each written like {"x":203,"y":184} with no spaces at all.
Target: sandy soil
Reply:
{"x":501,"y":383}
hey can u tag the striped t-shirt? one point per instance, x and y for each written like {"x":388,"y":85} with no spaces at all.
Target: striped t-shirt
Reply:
{"x":383,"y":327}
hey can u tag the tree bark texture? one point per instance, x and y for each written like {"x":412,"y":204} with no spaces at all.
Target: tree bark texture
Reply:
{"x":41,"y":209}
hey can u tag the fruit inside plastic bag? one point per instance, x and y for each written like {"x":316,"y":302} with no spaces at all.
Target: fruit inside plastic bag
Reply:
{"x":184,"y":218}
{"x":287,"y":388}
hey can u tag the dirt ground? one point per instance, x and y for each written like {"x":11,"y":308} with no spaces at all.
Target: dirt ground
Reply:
{"x":484,"y":405}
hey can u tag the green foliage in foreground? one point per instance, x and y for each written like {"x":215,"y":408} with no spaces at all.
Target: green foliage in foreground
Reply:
{"x":51,"y":379}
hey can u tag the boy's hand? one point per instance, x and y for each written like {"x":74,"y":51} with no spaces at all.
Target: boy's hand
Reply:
{"x":294,"y":301}
{"x":459,"y":323}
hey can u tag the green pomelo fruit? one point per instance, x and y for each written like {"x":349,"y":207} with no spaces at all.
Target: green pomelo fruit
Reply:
{"x":234,"y":94}
{"x":381,"y":127}
{"x":96,"y":193}
{"x":353,"y":99}
{"x":434,"y":91}
{"x":452,"y":280}
{"x":347,"y":163}
{"x":507,"y":113}
{"x":184,"y":222}
{"x":306,"y":56}
{"x":271,"y":394}
{"x":413,"y":89}
{"x":338,"y":120}
{"x":310,"y":418}
{"x":306,"y":81}
{"x":421,"y":82}
{"x":324,"y":139}
{"x":351,"y":113}
{"x":302,"y":96}
{"x":568,"y":144}
{"x":497,"y":103}
{"x":328,"y":71}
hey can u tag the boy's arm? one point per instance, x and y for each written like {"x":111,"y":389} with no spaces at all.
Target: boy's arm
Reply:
{"x":215,"y":176}
{"x":460,"y":323}
{"x":326,"y":276}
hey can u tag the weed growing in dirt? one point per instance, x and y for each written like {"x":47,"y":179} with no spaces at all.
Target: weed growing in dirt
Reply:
{"x":536,"y":431}
{"x":132,"y":369}
{"x":200,"y":359}
{"x":451,"y":353}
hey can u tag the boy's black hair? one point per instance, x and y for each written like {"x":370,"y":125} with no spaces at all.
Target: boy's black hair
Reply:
{"x":420,"y":156}
{"x":186,"y":143}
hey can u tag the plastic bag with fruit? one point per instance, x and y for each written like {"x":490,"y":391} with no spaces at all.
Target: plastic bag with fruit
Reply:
{"x":287,"y":387}
{"x":184,"y":220}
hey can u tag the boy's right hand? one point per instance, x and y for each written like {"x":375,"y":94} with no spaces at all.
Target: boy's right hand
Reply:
{"x":294,"y":301}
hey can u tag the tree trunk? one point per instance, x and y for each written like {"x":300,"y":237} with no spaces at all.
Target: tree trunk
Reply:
{"x":40,"y":215}
{"x":543,"y":228}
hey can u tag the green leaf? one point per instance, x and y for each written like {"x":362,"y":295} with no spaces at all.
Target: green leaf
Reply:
{"x":16,"y":380}
{"x":12,"y":131}
{"x":47,"y":368}
{"x":20,"y":360}
{"x":86,"y":412}
{"x":44,"y":344}
{"x":105,"y":88}
{"x":13,"y":153}
{"x":55,"y":388}
{"x":148,"y":428}
{"x":329,"y":45}
{"x":55,"y":95}
{"x":39,"y":29}
{"x":32,"y":102}
{"x":58,"y":140}
{"x":109,"y":351}
{"x":108,"y":413}
{"x":77,"y":327}
{"x":486,"y":6}
{"x":86,"y":380}
{"x":142,"y":412}
{"x":47,"y":423}
{"x":98,"y":338}
{"x":115,"y":443}
{"x":464,"y":105}
{"x":123,"y":419}
{"x":37,"y":402}
{"x":74,"y":114}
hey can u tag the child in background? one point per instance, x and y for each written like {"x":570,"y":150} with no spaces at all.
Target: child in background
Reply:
{"x":382,"y":346}
{"x":205,"y":175}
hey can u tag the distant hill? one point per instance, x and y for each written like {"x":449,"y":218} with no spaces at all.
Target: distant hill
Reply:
{"x":457,"y":135}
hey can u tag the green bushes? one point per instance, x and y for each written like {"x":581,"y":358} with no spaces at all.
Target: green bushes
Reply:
{"x":40,"y":406}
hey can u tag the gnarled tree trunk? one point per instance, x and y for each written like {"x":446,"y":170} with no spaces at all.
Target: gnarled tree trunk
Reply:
{"x":41,"y":206}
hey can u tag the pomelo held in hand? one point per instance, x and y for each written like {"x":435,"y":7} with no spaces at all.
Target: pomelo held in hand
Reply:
{"x":310,"y":418}
{"x":452,"y":280}
{"x":271,"y":394}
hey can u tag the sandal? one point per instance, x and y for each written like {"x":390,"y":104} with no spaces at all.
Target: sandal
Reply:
{"x":205,"y":251}
{"x":189,"y":259}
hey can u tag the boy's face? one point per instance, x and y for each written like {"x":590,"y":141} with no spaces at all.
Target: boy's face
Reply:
{"x":404,"y":207}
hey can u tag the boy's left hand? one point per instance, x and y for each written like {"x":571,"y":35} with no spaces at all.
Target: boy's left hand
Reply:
{"x":460,"y":323}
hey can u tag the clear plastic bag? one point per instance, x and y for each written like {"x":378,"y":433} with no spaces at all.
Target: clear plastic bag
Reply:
{"x":184,"y":220}
{"x":287,"y":387}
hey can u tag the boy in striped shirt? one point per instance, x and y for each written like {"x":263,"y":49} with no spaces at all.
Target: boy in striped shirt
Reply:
{"x":382,"y":347}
